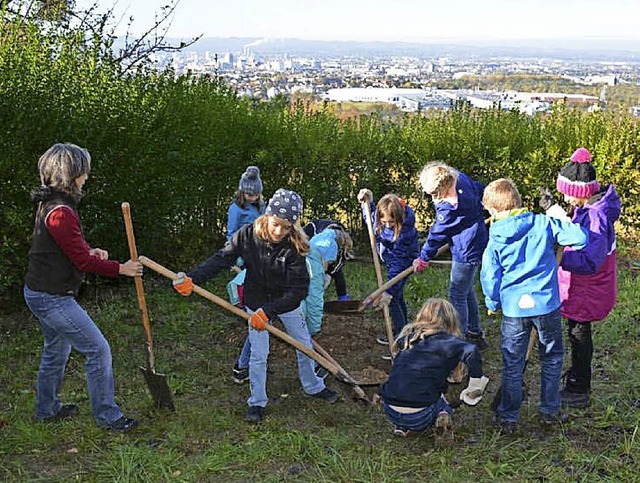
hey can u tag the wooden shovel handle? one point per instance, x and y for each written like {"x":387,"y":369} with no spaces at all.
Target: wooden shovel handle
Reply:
{"x":156,"y":267}
{"x":372,"y":240}
{"x":405,"y":273}
{"x":142,"y":303}
{"x":376,"y":293}
{"x":376,"y":264}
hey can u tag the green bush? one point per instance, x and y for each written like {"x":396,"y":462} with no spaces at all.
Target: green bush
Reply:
{"x":175,"y":147}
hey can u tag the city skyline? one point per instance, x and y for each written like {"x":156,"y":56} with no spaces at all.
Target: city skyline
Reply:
{"x":402,"y":20}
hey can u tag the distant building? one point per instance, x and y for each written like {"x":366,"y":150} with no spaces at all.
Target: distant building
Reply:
{"x":373,"y":94}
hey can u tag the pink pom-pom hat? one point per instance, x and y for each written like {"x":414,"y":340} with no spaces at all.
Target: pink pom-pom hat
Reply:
{"x":578,"y":177}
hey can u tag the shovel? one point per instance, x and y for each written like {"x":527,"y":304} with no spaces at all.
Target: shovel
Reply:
{"x":354,"y":307}
{"x":339,"y":373}
{"x":157,"y":383}
{"x":376,"y":264}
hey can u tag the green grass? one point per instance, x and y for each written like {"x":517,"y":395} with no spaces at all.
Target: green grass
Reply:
{"x":301,"y":439}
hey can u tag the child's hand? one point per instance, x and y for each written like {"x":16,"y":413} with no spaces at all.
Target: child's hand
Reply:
{"x":183,"y":284}
{"x":546,"y":198}
{"x":419,"y":265}
{"x":382,"y":301}
{"x":474,"y":392}
{"x":365,"y":195}
{"x":259,"y":320}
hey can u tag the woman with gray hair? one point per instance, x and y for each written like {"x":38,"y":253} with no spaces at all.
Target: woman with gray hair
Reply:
{"x":58,"y":259}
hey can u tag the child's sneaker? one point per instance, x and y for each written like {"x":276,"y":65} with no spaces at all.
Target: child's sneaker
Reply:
{"x":443,"y":429}
{"x":549,"y":420}
{"x":326,"y":395}
{"x":123,"y":425}
{"x":386,"y":357}
{"x":478,"y":339}
{"x":320,"y":371}
{"x":65,"y":412}
{"x":254,"y":414}
{"x":240,"y":375}
{"x":400,"y":432}
{"x":382,"y":340}
{"x":574,"y":399}
{"x":505,"y":426}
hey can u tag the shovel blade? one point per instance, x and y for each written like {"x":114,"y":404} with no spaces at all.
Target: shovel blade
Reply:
{"x":343,"y":307}
{"x":159,"y":389}
{"x":369,"y":377}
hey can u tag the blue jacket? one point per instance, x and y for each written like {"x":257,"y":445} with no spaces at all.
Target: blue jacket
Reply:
{"x":324,"y":250}
{"x":461,"y":226}
{"x":419,"y":374}
{"x":519,"y":271}
{"x":400,"y":253}
{"x":237,"y":216}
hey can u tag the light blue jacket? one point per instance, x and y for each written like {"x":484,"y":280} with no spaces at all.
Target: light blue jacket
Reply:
{"x":237,"y":216}
{"x":519,"y":272}
{"x":324,"y":249}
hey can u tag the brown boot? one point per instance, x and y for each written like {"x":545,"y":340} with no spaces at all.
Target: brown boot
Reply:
{"x":443,"y":430}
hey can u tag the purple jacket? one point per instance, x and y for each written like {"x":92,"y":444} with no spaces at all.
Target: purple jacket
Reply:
{"x":588,"y":277}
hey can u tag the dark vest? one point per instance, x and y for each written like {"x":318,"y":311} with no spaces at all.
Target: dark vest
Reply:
{"x":50,"y":270}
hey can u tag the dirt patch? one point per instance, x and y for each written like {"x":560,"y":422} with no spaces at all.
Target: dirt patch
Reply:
{"x":350,"y":340}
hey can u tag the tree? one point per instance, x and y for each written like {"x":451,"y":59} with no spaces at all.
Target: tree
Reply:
{"x":98,"y":27}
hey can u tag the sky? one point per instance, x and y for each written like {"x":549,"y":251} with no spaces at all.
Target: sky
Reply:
{"x":387,"y":20}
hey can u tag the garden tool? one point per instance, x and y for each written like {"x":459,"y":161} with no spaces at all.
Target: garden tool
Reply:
{"x":337,"y":371}
{"x":156,"y":382}
{"x":405,"y":273}
{"x":376,"y":264}
{"x":369,"y":377}
{"x":343,"y":307}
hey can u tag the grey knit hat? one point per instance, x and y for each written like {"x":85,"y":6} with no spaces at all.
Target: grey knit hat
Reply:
{"x":285,"y":204}
{"x":250,"y":182}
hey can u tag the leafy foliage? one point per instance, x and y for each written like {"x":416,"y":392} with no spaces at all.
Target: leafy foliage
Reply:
{"x":175,"y":147}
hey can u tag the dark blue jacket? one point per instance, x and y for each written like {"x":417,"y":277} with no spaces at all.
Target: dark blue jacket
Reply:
{"x":277,"y":279}
{"x":461,"y":226}
{"x":400,"y":253}
{"x":419,"y":374}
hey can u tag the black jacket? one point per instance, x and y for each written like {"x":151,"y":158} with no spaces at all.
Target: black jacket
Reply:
{"x":419,"y":374}
{"x":277,"y":279}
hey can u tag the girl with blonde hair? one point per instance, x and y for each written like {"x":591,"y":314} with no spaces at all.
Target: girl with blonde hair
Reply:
{"x":274,"y":249}
{"x":430,"y":349}
{"x":459,"y":223}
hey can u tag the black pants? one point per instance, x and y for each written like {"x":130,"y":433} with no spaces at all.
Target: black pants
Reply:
{"x":341,"y":283}
{"x":579,"y":376}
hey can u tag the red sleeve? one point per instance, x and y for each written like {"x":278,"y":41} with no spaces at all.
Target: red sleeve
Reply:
{"x":64,"y":226}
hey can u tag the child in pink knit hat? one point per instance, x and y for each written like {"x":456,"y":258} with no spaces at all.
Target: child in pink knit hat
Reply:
{"x":587,"y":277}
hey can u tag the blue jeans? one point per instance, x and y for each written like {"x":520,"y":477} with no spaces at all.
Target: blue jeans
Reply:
{"x":296,"y":327}
{"x":245,"y":353}
{"x":462,"y":295}
{"x":515,"y":339}
{"x":418,"y":421}
{"x":65,"y":325}
{"x":398,"y":307}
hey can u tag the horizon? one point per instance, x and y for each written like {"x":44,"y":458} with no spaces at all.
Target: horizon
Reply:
{"x":407,"y":21}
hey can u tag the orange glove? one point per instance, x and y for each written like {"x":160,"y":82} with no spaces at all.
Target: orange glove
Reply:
{"x":259,"y":320}
{"x":183,"y":284}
